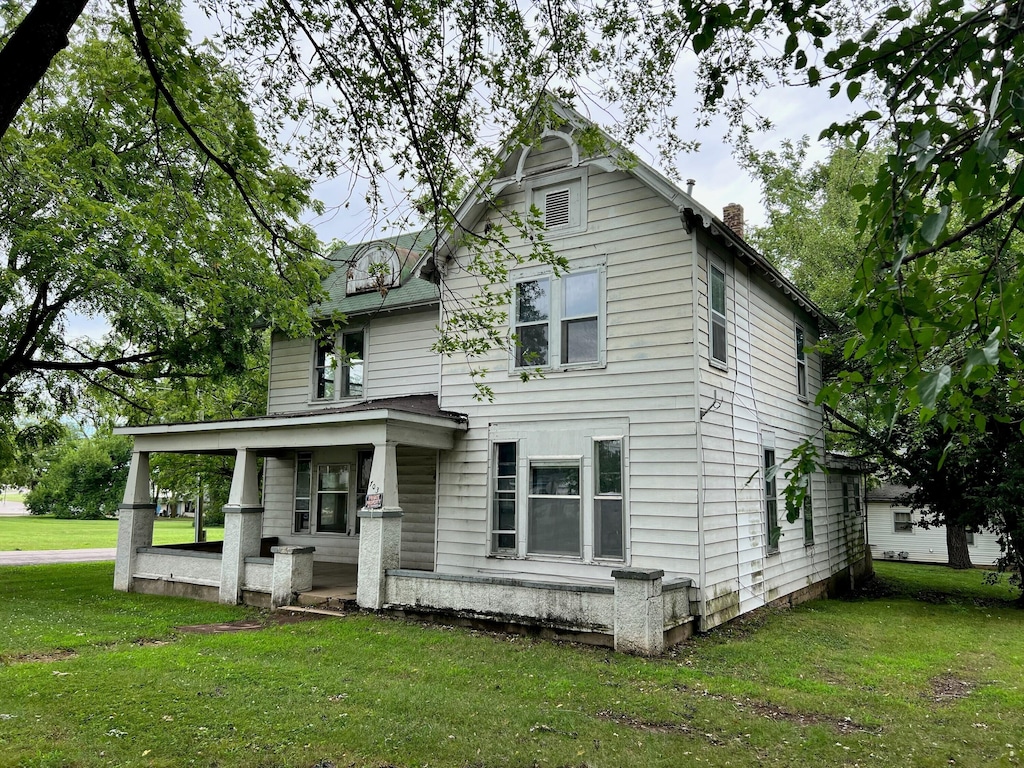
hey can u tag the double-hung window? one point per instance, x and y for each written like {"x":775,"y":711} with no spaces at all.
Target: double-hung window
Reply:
{"x":303,"y":484}
{"x":533,"y":318}
{"x":902,"y":521}
{"x":339,"y":366}
{"x":801,"y":364}
{"x":503,"y":499}
{"x":717,"y":321}
{"x":554,"y":517}
{"x":608,"y":511}
{"x":332,"y":498}
{"x":808,"y":518}
{"x":558,"y":321}
{"x":771,"y":502}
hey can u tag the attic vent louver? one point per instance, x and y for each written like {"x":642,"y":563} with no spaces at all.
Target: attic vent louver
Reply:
{"x":556,"y":208}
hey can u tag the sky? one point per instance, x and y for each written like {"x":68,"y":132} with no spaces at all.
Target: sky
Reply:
{"x":719,"y":179}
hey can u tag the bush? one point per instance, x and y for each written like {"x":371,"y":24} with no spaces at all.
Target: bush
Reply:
{"x":85,"y":481}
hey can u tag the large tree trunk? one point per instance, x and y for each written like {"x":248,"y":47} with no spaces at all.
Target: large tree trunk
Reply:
{"x":40,"y":36}
{"x":956,"y":547}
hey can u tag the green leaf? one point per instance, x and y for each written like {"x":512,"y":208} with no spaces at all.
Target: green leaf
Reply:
{"x":931,"y":386}
{"x":853,"y":90}
{"x":934,"y":224}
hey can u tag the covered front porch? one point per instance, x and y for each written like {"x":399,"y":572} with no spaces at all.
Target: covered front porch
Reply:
{"x":267,"y":557}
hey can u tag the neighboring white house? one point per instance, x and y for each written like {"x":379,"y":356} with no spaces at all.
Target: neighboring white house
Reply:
{"x":622,"y":496}
{"x":895,"y":533}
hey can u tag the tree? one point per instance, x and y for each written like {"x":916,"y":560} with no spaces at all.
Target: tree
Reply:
{"x":85,"y":480}
{"x":112,"y":210}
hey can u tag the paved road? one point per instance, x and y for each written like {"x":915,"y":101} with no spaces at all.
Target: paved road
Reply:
{"x":12,"y":508}
{"x":43,"y":556}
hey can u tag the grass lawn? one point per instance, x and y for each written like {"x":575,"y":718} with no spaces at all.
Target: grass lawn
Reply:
{"x":31,"y":532}
{"x":913,"y":673}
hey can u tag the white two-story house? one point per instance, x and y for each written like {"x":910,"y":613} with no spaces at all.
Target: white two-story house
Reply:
{"x":627,"y":494}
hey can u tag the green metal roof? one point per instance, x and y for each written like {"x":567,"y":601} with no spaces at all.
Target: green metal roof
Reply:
{"x":411,"y":291}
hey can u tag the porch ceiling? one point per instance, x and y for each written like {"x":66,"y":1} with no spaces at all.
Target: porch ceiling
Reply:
{"x":362,"y":424}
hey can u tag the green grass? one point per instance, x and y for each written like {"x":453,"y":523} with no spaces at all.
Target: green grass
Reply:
{"x":31,"y":532}
{"x":96,"y":678}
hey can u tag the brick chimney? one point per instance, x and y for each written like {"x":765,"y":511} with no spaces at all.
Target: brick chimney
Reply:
{"x":732,"y":216}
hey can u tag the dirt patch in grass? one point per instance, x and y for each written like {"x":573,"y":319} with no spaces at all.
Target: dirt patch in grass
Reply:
{"x":249,"y":625}
{"x":946,"y":688}
{"x":844,"y":725}
{"x":640,"y":724}
{"x":44,"y":658}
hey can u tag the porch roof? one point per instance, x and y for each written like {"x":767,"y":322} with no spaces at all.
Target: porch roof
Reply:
{"x":414,"y":420}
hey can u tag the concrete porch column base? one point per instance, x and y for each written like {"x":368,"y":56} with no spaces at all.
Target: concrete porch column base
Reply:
{"x":293,"y":573}
{"x":134,"y":530}
{"x":639,"y":611}
{"x":380,"y":547}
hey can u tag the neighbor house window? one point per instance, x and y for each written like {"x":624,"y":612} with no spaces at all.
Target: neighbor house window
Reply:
{"x":558,"y":321}
{"x":608,"y":520}
{"x":771,"y":502}
{"x":902,"y":522}
{"x":970,"y":537}
{"x":801,"y":364}
{"x":716,"y":280}
{"x":503,"y":500}
{"x":332,"y":498}
{"x":553,"y":510}
{"x":303,"y":486}
{"x":339,"y":366}
{"x":808,"y":518}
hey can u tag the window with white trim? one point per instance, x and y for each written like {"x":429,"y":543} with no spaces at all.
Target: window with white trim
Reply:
{"x":771,"y":502}
{"x":332,"y":498}
{"x":608,"y":511}
{"x":554,"y":515}
{"x":339,"y":365}
{"x":303,"y":486}
{"x":801,"y":364}
{"x":503,"y":497}
{"x":902,"y":521}
{"x":717,"y":327}
{"x":558,"y":322}
{"x":808,"y":512}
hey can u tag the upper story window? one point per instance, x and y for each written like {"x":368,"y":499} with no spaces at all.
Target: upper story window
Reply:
{"x":801,"y":364}
{"x":558,"y":322}
{"x":339,"y":367}
{"x":378,"y":268}
{"x":717,"y":320}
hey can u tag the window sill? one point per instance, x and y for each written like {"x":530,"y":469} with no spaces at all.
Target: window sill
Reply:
{"x":773,"y":552}
{"x":545,"y":370}
{"x":718,"y":365}
{"x":339,"y":401}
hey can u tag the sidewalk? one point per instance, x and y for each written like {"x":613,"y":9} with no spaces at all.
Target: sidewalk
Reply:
{"x":46,"y":556}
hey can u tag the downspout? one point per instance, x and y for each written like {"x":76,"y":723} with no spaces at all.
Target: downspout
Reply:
{"x":698,"y":435}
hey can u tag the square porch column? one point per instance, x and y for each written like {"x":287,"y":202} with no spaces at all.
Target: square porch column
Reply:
{"x":293,"y":573}
{"x":134,"y":521}
{"x":639,"y":611}
{"x":243,"y":526}
{"x":380,"y":536}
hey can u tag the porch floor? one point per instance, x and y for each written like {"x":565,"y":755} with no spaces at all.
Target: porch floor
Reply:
{"x":333,"y":584}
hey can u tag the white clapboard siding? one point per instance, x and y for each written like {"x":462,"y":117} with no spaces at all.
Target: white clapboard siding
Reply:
{"x":416,"y":496}
{"x":399,"y":361}
{"x":647,"y":381}
{"x":922,"y":545}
